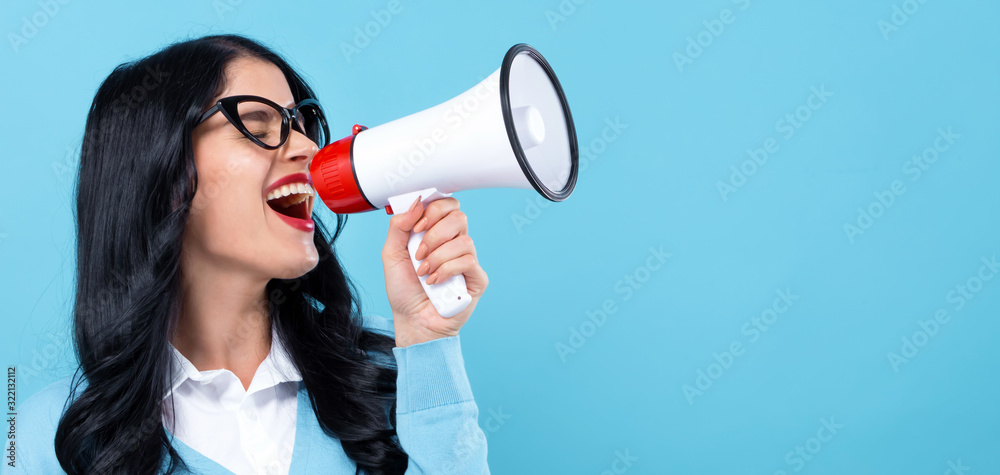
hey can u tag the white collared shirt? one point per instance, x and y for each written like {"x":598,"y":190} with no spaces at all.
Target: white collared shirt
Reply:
{"x":247,"y":431}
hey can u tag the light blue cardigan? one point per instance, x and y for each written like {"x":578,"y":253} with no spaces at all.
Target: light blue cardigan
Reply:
{"x":436,"y":420}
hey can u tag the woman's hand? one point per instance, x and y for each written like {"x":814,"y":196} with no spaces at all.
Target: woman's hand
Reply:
{"x":446,"y":250}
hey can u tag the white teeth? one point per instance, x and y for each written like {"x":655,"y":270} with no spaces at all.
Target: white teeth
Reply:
{"x":292,"y":189}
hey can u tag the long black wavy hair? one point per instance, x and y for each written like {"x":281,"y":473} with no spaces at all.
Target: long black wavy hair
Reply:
{"x":134,"y":193}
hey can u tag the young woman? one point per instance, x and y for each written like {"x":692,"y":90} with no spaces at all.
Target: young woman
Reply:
{"x":215,"y":328}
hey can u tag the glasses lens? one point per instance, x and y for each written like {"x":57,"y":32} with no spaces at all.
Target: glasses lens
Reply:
{"x":261,"y":120}
{"x":311,"y":123}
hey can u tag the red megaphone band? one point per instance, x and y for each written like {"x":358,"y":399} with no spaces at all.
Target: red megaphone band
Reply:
{"x":333,"y":176}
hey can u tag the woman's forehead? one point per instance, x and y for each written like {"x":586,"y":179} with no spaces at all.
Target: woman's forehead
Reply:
{"x":252,"y":76}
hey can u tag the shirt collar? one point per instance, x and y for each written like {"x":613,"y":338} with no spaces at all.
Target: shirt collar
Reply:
{"x":276,"y":368}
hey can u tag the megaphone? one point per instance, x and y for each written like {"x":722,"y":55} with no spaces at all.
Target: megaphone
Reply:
{"x":512,"y":130}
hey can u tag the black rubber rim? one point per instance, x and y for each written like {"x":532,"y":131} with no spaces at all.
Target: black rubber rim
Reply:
{"x":508,"y":119}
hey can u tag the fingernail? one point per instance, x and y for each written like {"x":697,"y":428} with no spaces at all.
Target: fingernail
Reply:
{"x":423,"y":268}
{"x":432,"y":279}
{"x":420,"y":225}
{"x":421,"y":251}
{"x":414,"y":205}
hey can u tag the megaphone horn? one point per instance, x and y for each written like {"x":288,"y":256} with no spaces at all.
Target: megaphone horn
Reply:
{"x":512,"y":130}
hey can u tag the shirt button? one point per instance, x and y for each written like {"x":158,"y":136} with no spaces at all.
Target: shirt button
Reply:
{"x":250,"y":414}
{"x":273,"y":468}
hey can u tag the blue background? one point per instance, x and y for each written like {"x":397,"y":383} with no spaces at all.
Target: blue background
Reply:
{"x":655,"y":183}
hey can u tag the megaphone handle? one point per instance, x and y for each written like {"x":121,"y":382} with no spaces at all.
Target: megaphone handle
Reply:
{"x":451,"y":296}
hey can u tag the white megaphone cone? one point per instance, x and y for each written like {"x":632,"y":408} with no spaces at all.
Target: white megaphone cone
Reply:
{"x":512,"y":130}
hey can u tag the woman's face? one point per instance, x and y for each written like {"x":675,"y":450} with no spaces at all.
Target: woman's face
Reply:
{"x":232,"y":224}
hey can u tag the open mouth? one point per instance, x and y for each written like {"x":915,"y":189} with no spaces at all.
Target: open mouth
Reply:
{"x":294,"y":200}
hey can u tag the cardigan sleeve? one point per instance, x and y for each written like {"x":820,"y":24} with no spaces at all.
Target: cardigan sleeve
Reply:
{"x":436,"y":414}
{"x":36,"y":420}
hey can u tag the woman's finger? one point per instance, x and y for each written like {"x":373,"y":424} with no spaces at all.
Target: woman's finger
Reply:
{"x":454,"y":224}
{"x":434,"y":212}
{"x":465,"y":264}
{"x":452,"y":249}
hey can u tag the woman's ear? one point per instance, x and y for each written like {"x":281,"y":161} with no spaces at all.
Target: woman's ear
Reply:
{"x":183,"y":193}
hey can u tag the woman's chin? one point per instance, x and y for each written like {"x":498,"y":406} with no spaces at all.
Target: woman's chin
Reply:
{"x":298,"y":266}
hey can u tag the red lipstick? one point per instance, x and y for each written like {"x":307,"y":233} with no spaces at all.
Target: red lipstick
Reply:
{"x":285,"y":180}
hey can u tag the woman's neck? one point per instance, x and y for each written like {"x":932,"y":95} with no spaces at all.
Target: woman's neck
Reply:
{"x":224,"y":320}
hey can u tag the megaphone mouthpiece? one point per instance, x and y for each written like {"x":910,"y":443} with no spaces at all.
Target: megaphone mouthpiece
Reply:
{"x":334,"y":179}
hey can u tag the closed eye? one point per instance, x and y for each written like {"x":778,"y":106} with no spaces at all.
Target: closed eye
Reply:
{"x":256,"y":116}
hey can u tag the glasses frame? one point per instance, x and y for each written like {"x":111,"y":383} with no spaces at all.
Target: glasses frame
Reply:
{"x":289,"y":118}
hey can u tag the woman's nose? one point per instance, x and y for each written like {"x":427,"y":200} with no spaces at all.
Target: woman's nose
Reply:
{"x":300,"y":148}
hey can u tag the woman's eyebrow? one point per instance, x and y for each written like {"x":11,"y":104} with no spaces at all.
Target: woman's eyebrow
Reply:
{"x":259,"y":115}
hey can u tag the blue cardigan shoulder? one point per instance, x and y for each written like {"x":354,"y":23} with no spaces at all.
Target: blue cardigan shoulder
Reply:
{"x":436,"y":421}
